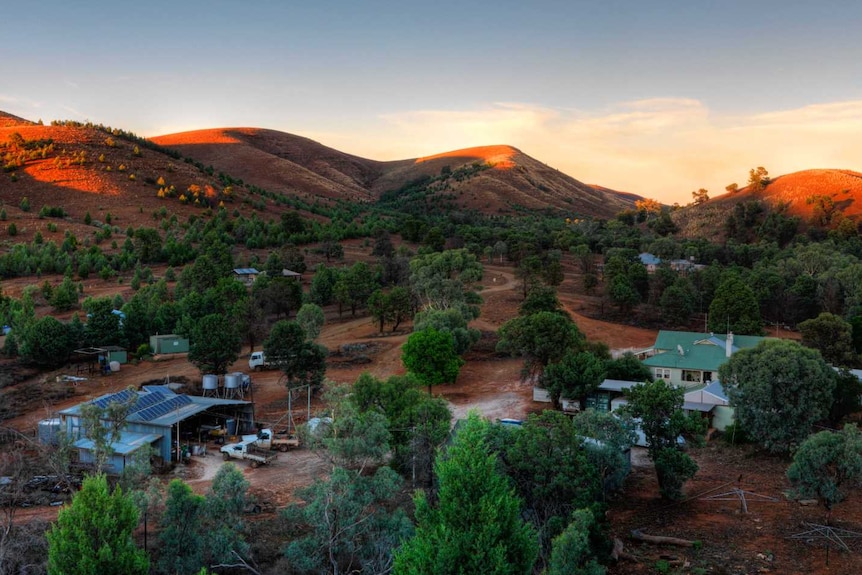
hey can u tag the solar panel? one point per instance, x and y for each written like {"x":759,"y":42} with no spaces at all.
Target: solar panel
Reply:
{"x":164,"y":407}
{"x":146,"y":400}
{"x":119,"y":397}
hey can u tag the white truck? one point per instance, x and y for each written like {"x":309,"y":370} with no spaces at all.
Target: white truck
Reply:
{"x":257,"y":361}
{"x":248,"y":449}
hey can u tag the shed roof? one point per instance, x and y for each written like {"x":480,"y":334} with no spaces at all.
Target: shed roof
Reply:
{"x":245,"y":271}
{"x":617,"y":385}
{"x":159,"y":407}
{"x":649,"y":259}
{"x":129,"y":442}
{"x":290,"y":273}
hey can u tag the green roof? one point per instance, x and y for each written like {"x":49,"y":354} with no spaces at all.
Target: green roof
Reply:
{"x":668,"y":340}
{"x":701,"y":351}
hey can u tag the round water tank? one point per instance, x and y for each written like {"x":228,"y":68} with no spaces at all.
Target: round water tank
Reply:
{"x":115,"y":366}
{"x":210,"y":381}
{"x":232,"y":380}
{"x":49,"y":430}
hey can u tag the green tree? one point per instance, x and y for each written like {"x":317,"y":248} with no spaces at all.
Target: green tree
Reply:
{"x":475,"y":525}
{"x":529,"y":271}
{"x":734,"y":308}
{"x":418,"y":423}
{"x":833,"y":337}
{"x":430,"y":356}
{"x":700,"y":197}
{"x":103,"y":325}
{"x":47,"y":343}
{"x":572,"y":553}
{"x":825,"y":462}
{"x":541,"y":298}
{"x":779,"y":390}
{"x":575,"y":376}
{"x":450,"y":321}
{"x":310,"y":318}
{"x":93,"y":536}
{"x":623,"y":293}
{"x":678,"y":302}
{"x":551,"y":470}
{"x":344,"y":525}
{"x":103,"y":425}
{"x":181,"y":549}
{"x":215,"y":344}
{"x":658,"y":406}
{"x":627,"y":367}
{"x":846,"y":397}
{"x":540,"y":338}
{"x":758,"y":179}
{"x":614,"y":435}
{"x":223,"y":527}
{"x":303,"y":362}
{"x":378,"y":307}
{"x":65,"y":297}
{"x":400,"y":305}
{"x":323,"y":285}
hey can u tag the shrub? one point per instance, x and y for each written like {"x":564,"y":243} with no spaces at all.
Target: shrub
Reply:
{"x":25,"y":204}
{"x":12,"y":229}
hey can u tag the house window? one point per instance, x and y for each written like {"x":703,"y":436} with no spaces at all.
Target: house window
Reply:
{"x":662,"y":373}
{"x":692,"y":376}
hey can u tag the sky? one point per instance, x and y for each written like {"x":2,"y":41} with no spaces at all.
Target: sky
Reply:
{"x":656,"y":98}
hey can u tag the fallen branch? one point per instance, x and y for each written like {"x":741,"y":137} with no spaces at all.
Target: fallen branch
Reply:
{"x":638,"y":535}
{"x":619,"y":552}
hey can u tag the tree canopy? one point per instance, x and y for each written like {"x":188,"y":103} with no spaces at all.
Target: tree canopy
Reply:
{"x":779,"y":390}
{"x":93,"y":536}
{"x":475,"y":526}
{"x":430,"y":356}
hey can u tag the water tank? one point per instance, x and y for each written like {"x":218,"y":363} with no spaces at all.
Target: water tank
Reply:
{"x":49,"y":429}
{"x":115,"y":366}
{"x":210,"y":381}
{"x":232,"y":380}
{"x":230,"y":425}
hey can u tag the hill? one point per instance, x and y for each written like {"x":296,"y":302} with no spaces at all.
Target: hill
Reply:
{"x":8,"y":120}
{"x":108,"y":174}
{"x":816,"y":197}
{"x":279,"y":162}
{"x":286,"y":163}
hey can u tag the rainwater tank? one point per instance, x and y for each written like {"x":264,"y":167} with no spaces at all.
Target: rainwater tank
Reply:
{"x":232,"y":380}
{"x":210,"y":381}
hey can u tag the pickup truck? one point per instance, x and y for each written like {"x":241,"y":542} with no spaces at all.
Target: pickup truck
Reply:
{"x":266,"y":439}
{"x":248,"y":449}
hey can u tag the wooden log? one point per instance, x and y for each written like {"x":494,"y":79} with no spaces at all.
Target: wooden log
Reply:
{"x":638,"y":535}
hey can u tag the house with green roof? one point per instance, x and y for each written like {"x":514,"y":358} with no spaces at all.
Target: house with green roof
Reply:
{"x":690,"y":359}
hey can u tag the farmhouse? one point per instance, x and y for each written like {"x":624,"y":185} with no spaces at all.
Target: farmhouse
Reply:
{"x":690,"y":359}
{"x":159,"y":418}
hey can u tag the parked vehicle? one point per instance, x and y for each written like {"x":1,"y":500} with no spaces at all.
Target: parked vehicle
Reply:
{"x":266,"y":439}
{"x":248,"y":449}
{"x":257,"y":361}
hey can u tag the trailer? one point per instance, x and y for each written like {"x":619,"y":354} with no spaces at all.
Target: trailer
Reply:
{"x":248,"y":449}
{"x":266,"y":439}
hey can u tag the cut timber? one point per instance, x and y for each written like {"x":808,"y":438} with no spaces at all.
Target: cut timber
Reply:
{"x":659,"y":540}
{"x":619,"y":552}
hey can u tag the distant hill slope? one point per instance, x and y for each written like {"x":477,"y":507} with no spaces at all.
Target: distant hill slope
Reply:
{"x":8,"y":120}
{"x":798,"y":194}
{"x":279,"y":162}
{"x":88,"y":170}
{"x":286,"y":163}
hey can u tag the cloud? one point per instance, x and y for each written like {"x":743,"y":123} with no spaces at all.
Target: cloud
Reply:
{"x":662,"y":148}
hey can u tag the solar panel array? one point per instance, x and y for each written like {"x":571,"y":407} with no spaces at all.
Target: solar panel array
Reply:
{"x":119,"y":397}
{"x":146,"y":400}
{"x":164,"y":408}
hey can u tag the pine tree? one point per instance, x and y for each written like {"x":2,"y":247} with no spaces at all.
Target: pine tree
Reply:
{"x":476,"y":525}
{"x":93,"y":536}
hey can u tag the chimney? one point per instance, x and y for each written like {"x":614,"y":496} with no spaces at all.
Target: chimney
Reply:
{"x":728,"y":348}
